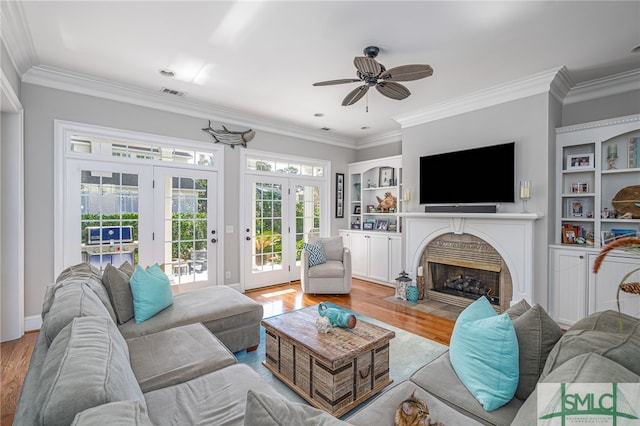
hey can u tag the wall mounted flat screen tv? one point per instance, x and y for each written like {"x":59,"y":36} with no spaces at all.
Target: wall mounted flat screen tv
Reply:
{"x":472,"y":176}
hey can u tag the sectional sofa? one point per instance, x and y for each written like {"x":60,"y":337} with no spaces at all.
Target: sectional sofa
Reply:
{"x":90,"y":367}
{"x":592,"y":351}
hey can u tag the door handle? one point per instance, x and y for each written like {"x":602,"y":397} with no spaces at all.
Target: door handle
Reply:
{"x":247,"y":238}
{"x":213,"y":240}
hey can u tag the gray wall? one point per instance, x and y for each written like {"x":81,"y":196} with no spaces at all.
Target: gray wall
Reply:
{"x":380,"y":151}
{"x":525,"y":121}
{"x":601,"y":108}
{"x":43,"y":105}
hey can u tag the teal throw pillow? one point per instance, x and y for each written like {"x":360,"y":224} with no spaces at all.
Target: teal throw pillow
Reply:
{"x":151,"y":292}
{"x":484,"y":354}
{"x":316,"y":253}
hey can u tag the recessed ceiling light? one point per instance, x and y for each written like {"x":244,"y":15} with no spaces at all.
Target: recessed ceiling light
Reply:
{"x":636,"y":49}
{"x":318,"y":114}
{"x":167,"y":73}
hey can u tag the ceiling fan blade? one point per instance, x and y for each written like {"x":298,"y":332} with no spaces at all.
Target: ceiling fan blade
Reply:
{"x":342,"y":81}
{"x":393,"y":90}
{"x":355,"y":95}
{"x":407,"y":72}
{"x":367,"y":66}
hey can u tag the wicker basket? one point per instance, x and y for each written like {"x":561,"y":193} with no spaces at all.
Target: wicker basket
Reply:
{"x":627,"y":200}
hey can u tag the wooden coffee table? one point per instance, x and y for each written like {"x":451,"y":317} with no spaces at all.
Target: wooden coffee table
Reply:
{"x":334,"y":371}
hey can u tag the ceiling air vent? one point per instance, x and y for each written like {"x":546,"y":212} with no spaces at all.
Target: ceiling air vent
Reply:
{"x":171,"y":91}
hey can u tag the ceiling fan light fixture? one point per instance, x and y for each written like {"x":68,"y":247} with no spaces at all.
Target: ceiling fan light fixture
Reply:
{"x":373,"y":74}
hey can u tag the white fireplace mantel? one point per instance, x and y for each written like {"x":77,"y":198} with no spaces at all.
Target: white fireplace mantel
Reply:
{"x":511,"y":234}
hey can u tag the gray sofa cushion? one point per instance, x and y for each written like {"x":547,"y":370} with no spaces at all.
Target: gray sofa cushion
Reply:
{"x":121,"y":413}
{"x":87,"y":365}
{"x":176,"y":355}
{"x":333,"y":247}
{"x":76,"y":274}
{"x":381,"y":409}
{"x":621,"y":348}
{"x":608,"y":321}
{"x":537,"y":334}
{"x":585,"y":368}
{"x":71,"y":301}
{"x":116,"y":281}
{"x":217,"y":398}
{"x":439,"y":379}
{"x":329,"y":269}
{"x":218,"y":308}
{"x":266,"y":410}
{"x":518,"y":309}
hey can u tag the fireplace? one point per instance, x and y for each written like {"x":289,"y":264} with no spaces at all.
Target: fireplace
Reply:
{"x":477,"y":245}
{"x":462,"y":268}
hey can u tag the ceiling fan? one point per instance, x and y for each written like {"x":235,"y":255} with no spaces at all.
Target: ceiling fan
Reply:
{"x":373,"y":73}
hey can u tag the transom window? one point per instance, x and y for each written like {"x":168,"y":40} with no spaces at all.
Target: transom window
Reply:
{"x":284,"y":167}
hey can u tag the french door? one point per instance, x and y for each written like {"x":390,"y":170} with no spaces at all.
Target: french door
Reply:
{"x":280,"y":214}
{"x":142,"y":214}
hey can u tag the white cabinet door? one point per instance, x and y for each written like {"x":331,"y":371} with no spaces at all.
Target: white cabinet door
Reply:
{"x":568,"y":292}
{"x":378,"y":257}
{"x":603,"y":286}
{"x":359,"y":254}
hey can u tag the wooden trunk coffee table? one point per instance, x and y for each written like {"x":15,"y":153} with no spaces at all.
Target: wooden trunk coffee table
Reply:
{"x":334,"y":371}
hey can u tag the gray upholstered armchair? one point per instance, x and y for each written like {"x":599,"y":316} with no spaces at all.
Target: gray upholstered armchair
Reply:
{"x":331,"y":276}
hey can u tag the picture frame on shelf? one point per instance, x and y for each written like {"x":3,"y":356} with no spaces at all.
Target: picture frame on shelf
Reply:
{"x":368,"y":225}
{"x":370,"y":208}
{"x":606,"y":237}
{"x":339,"y":195}
{"x":579,"y":187}
{"x":356,"y":210}
{"x":382,"y":224}
{"x":386,"y":176}
{"x":580,"y":161}
{"x":575,"y":208}
{"x":568,"y":235}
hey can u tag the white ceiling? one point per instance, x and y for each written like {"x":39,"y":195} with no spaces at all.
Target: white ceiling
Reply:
{"x":260,"y":58}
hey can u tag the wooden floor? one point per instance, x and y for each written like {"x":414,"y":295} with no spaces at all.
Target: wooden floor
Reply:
{"x":365,"y":298}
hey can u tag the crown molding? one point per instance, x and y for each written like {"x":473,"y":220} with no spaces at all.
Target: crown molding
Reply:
{"x":607,"y":86}
{"x":83,"y":84}
{"x":529,"y":86}
{"x":8,"y":99}
{"x":16,"y":36}
{"x":380,"y":139}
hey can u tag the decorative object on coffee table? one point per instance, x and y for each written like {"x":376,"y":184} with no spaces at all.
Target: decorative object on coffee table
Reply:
{"x":333,"y":371}
{"x":323,"y":325}
{"x":337,"y":317}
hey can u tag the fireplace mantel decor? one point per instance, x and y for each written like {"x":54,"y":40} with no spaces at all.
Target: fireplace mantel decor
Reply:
{"x":510,"y":234}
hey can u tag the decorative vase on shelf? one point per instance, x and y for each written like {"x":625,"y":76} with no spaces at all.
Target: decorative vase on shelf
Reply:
{"x":356,"y":187}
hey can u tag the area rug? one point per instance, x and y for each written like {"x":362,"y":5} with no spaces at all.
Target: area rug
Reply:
{"x":407,"y":353}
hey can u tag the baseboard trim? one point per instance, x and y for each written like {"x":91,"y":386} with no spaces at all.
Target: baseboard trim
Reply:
{"x":32,"y":323}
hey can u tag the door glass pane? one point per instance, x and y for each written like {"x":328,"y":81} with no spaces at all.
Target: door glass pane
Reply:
{"x":267,"y":217}
{"x":109,"y":218}
{"x":185,"y":229}
{"x":307,"y":198}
